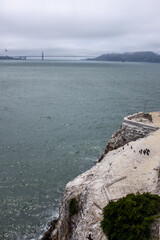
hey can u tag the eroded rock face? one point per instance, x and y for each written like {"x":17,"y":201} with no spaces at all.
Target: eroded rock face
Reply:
{"x":123,"y":170}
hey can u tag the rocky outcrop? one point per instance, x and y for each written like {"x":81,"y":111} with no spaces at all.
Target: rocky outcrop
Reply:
{"x":134,"y":127}
{"x":52,"y":227}
{"x":123,"y":170}
{"x":123,"y":137}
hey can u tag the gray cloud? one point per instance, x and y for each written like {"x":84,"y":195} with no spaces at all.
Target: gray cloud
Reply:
{"x":80,"y":26}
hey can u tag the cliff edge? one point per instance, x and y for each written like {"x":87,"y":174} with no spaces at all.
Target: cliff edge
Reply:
{"x":130,"y":164}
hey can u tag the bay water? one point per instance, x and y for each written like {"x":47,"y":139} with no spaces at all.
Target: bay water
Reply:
{"x":55,"y":120}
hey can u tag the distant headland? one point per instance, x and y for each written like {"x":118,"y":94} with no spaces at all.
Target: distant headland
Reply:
{"x":11,"y":58}
{"x":128,"y":57}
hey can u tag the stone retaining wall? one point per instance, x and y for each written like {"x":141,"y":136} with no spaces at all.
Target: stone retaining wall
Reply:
{"x":127,"y":122}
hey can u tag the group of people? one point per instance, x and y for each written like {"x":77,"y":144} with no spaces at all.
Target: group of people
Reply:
{"x":145,"y":151}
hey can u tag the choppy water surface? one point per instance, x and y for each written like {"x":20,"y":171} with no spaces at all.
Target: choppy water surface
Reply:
{"x":55,"y":120}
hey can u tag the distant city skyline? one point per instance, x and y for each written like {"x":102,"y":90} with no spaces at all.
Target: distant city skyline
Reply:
{"x":81,"y":27}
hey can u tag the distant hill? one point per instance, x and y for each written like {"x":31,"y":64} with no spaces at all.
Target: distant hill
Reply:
{"x":129,"y":57}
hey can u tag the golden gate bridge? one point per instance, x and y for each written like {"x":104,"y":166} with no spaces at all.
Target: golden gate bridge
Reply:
{"x":43,"y":57}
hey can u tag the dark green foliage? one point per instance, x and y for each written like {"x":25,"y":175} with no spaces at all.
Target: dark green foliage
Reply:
{"x":130,"y":217}
{"x":73,"y":207}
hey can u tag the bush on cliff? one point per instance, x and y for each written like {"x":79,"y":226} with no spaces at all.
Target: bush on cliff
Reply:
{"x":73,"y":206}
{"x":130,"y":217}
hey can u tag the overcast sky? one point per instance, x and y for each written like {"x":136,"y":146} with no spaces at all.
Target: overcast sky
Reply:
{"x":87,"y":27}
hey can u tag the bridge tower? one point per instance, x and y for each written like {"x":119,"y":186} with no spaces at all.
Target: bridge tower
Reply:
{"x":42,"y":55}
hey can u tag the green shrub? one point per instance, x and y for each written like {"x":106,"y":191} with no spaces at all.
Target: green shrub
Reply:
{"x":130,"y":217}
{"x":73,"y":207}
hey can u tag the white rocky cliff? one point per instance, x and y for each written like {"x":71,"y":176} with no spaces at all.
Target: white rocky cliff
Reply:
{"x":122,"y":169}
